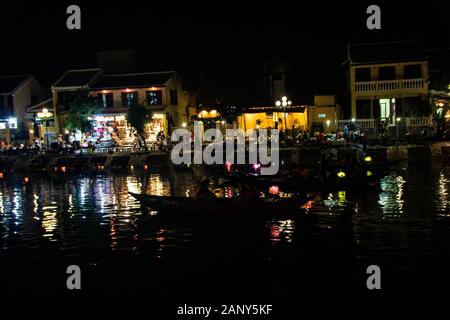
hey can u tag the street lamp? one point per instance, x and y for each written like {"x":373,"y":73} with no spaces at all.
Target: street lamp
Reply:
{"x":398,"y":121}
{"x":45,"y":114}
{"x":284,"y":103}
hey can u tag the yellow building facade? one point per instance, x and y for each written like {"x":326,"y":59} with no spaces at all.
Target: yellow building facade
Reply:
{"x":268,"y":117}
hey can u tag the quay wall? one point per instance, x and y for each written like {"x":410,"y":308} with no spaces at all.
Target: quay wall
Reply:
{"x":150,"y":160}
{"x":81,"y":163}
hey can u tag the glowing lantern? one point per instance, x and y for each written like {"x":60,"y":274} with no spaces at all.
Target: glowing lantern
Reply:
{"x":274,"y":190}
{"x":341,"y":174}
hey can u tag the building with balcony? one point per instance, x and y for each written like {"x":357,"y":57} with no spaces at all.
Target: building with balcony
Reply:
{"x":388,"y":82}
{"x":160,"y":92}
{"x":17,"y":93}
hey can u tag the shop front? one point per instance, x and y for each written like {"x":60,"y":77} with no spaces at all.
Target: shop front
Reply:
{"x":6,"y":125}
{"x":266,"y":117}
{"x":112,"y":129}
{"x":156,"y":126}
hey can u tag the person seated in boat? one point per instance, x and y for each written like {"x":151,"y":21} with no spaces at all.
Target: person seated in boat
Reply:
{"x":203,"y":192}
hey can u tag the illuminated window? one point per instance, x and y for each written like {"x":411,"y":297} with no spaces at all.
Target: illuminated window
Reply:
{"x":129,"y":98}
{"x":154,"y":98}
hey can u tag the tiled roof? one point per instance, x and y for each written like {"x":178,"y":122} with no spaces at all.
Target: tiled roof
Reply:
{"x":134,"y":80}
{"x":366,"y":53}
{"x":8,"y":84}
{"x":77,"y":79}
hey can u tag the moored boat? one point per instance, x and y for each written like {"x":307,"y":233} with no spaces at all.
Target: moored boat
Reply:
{"x":184,"y":205}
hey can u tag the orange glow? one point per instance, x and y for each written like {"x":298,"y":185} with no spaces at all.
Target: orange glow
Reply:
{"x":1,"y":175}
{"x":131,"y":167}
{"x":63,"y":169}
{"x":26,"y":179}
{"x":146,"y":167}
{"x":274,"y":190}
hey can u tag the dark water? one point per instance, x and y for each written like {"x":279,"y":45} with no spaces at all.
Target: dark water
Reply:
{"x":127,"y":251}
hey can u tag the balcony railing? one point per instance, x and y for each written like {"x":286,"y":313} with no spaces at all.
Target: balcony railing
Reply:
{"x":359,"y":123}
{"x":418,"y":122}
{"x":372,"y":123}
{"x":390,"y":85}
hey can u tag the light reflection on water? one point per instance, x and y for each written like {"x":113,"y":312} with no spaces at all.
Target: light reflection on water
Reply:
{"x":94,"y":216}
{"x":391,"y":198}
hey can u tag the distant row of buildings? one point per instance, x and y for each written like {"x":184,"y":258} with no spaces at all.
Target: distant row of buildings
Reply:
{"x":388,"y":84}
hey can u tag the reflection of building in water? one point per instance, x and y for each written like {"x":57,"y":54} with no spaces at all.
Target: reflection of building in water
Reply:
{"x":342,"y":198}
{"x":444,"y":201}
{"x":50,"y":221}
{"x":390,"y":200}
{"x":282,"y":230}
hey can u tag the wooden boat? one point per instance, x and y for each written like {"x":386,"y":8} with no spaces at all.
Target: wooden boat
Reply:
{"x":227,"y":206}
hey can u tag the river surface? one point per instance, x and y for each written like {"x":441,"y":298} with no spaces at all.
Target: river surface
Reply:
{"x":50,"y":222}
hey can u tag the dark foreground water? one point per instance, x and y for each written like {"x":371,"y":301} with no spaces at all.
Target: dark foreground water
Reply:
{"x":127,"y":251}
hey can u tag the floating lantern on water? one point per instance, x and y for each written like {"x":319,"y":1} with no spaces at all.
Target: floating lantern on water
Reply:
{"x":228,"y":166}
{"x":146,"y":167}
{"x":1,"y":175}
{"x":341,"y":174}
{"x":274,"y":190}
{"x":26,"y":180}
{"x":63,"y":169}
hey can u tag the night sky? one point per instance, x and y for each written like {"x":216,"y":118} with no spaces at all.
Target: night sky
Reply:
{"x":34,"y":38}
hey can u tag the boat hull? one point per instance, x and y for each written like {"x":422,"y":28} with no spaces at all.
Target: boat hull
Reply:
{"x":219,"y":206}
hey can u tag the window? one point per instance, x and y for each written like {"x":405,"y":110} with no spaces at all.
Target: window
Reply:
{"x":154,"y":98}
{"x":173,"y":97}
{"x":129,"y":98}
{"x":386,"y":73}
{"x":105,"y":100}
{"x":362,"y":74}
{"x":413,"y":71}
